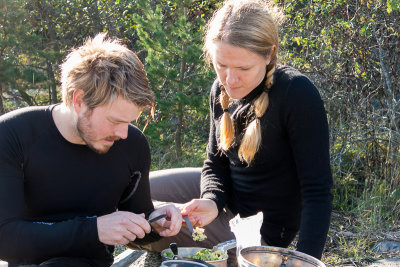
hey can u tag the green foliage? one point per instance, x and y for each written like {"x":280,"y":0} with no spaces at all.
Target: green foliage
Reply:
{"x":171,"y":34}
{"x":14,"y":51}
{"x":350,"y":50}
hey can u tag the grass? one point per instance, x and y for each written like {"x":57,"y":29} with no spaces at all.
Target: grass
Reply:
{"x":358,"y":225}
{"x":350,"y":241}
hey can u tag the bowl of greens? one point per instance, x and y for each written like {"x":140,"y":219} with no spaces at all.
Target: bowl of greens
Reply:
{"x":218,"y":258}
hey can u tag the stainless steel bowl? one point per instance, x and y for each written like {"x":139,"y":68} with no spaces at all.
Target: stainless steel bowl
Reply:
{"x":267,"y":256}
{"x":190,"y":251}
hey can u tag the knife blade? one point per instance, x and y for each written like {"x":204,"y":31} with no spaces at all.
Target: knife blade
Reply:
{"x":190,"y":226}
{"x":156,"y":218}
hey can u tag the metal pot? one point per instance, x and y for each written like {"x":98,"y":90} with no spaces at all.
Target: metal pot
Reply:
{"x":267,"y":256}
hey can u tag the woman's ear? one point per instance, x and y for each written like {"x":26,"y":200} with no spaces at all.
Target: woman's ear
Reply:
{"x":272,"y":54}
{"x":273,"y":51}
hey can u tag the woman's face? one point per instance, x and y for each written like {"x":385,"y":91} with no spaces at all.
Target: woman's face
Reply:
{"x":239,"y":69}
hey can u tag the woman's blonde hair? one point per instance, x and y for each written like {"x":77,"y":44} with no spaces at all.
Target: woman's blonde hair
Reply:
{"x":105,"y":69}
{"x":253,"y":25}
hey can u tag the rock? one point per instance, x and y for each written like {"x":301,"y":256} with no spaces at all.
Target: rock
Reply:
{"x":127,"y":257}
{"x":346,"y":233}
{"x":147,"y":259}
{"x":386,"y":246}
{"x":386,"y":263}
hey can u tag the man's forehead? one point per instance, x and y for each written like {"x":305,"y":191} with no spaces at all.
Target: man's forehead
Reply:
{"x":121,"y":109}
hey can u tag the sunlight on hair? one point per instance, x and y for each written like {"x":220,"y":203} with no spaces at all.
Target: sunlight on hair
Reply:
{"x":227,"y":130}
{"x":251,"y":142}
{"x":252,"y":138}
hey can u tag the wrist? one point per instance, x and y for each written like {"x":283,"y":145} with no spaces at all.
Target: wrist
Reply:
{"x":214,"y":200}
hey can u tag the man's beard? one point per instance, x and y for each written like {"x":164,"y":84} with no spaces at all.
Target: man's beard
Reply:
{"x":83,"y":128}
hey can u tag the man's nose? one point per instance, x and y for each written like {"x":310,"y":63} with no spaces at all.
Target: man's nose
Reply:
{"x":121,"y":131}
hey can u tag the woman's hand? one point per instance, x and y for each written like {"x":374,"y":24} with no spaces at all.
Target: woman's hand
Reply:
{"x":169,"y":226}
{"x":200,"y":211}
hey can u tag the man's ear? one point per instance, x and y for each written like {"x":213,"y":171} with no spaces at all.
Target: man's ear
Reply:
{"x":77,"y":101}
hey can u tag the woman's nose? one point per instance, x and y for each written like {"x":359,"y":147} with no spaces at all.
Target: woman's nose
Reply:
{"x":231,"y":77}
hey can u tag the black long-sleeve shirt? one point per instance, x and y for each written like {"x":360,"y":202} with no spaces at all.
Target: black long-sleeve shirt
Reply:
{"x":52,"y":190}
{"x":290,"y":178}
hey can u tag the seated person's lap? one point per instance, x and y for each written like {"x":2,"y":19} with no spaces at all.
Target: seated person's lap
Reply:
{"x":180,"y":186}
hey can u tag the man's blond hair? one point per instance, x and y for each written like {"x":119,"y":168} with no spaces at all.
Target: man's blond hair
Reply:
{"x":105,"y":69}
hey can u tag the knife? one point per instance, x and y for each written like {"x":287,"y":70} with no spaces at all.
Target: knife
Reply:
{"x":156,"y":218}
{"x":190,"y":226}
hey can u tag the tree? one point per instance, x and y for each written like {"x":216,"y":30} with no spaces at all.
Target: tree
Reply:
{"x":15,"y":49}
{"x":171,"y":34}
{"x":36,"y":36}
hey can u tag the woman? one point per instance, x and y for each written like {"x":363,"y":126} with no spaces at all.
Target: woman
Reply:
{"x":268,"y":147}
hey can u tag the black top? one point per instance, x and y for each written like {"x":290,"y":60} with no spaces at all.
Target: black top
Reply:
{"x":52,"y":190}
{"x":290,"y":178}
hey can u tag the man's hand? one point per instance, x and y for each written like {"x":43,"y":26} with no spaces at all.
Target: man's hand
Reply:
{"x":169,"y":226}
{"x":121,"y":227}
{"x":200,"y":211}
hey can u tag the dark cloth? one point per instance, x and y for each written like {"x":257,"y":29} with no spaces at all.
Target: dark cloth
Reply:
{"x":290,"y":178}
{"x":51,"y":191}
{"x":179,"y":186}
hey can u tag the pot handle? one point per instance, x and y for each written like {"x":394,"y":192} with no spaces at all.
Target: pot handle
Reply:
{"x":224,"y":246}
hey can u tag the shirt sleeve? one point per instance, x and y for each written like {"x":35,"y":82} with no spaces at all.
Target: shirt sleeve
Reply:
{"x":140,"y":200}
{"x":308,"y":133}
{"x":36,"y":240}
{"x":215,"y":177}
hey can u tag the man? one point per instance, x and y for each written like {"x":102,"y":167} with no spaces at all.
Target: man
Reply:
{"x":74,"y":176}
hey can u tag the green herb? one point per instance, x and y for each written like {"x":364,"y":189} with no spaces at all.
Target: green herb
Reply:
{"x":210,"y":255}
{"x":168,"y":254}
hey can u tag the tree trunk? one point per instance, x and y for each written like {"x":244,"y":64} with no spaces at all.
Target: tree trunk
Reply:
{"x":50,"y":74}
{"x":178,"y":136}
{"x":26,"y":97}
{"x":47,"y":13}
{"x":2,"y":111}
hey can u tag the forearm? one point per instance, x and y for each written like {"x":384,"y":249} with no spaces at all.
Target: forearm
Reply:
{"x":41,"y":240}
{"x":215,"y":176}
{"x":314,"y":228}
